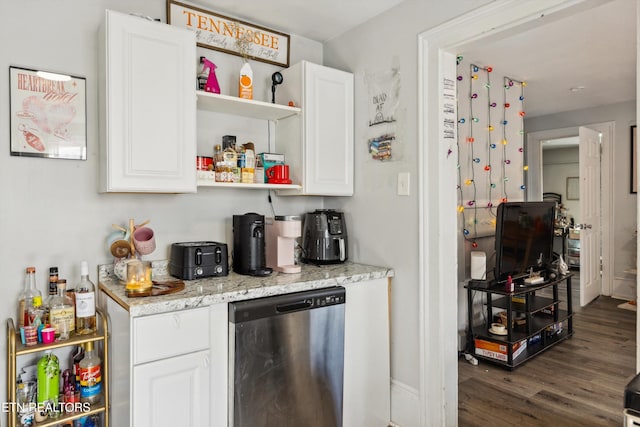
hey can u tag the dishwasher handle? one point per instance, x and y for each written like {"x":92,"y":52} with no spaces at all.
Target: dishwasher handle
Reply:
{"x":294,"y":306}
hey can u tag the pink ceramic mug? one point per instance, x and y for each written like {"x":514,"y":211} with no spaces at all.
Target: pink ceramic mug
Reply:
{"x":144,"y":240}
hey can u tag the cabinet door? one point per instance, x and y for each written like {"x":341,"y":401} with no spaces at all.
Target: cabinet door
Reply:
{"x":172,"y":392}
{"x":367,"y":377}
{"x":328,"y":131}
{"x":148,"y":106}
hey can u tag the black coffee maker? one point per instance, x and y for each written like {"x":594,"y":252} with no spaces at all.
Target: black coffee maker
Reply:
{"x":248,"y":245}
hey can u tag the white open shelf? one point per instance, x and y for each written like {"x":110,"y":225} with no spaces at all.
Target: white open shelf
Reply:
{"x":239,"y":185}
{"x":244,"y":107}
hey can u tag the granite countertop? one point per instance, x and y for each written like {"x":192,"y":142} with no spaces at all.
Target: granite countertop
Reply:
{"x":234,"y":287}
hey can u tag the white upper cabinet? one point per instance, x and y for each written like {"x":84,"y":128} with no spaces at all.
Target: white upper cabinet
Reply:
{"x":148,"y":106}
{"x":319,"y":144}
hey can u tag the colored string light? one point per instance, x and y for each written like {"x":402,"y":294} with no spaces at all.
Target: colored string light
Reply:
{"x":479,"y":89}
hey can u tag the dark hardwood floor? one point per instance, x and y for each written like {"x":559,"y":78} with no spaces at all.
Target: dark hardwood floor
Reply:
{"x":579,"y":382}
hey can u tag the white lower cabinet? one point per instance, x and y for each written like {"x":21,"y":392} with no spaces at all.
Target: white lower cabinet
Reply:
{"x":163,"y":367}
{"x":171,"y":369}
{"x":367,"y":376}
{"x":172,"y":392}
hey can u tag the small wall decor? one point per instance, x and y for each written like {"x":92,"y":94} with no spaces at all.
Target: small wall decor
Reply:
{"x":573,"y":188}
{"x":48,"y":114}
{"x":634,"y":162}
{"x":218,"y":32}
{"x":383,"y":90}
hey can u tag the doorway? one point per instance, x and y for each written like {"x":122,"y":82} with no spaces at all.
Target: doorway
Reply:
{"x":438,"y":230}
{"x":560,"y":173}
{"x":607,"y":168}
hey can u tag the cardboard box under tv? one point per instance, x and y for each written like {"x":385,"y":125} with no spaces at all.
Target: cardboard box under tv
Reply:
{"x":498,"y":350}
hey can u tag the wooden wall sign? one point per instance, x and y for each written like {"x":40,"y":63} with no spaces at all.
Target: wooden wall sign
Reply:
{"x":229,"y":35}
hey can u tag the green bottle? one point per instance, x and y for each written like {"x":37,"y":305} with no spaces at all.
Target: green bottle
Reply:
{"x":48,"y":383}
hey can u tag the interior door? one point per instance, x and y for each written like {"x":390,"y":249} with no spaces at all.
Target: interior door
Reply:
{"x":590,"y":278}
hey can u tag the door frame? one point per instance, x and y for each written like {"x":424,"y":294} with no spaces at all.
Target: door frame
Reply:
{"x":534,"y":185}
{"x":438,"y":251}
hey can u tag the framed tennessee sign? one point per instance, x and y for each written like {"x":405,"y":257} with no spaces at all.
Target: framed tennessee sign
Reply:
{"x":230,"y":35}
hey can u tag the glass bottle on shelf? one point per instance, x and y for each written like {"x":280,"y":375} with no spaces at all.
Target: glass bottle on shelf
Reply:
{"x":85,"y":302}
{"x":25,"y":300}
{"x":90,"y":375}
{"x":62,"y":312}
{"x":203,"y":75}
{"x":53,"y":281}
{"x":48,"y":384}
{"x":36,"y":312}
{"x":230,"y":156}
{"x":217,"y":154}
{"x":71,"y":293}
{"x":51,"y":290}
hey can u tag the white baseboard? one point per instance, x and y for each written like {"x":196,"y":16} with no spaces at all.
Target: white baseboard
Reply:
{"x":623,"y":288}
{"x":405,"y":405}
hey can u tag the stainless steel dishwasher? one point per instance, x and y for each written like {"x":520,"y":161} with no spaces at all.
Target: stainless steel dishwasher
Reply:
{"x":286,"y":360}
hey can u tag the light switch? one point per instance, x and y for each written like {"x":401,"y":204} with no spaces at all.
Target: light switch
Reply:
{"x":403,"y":183}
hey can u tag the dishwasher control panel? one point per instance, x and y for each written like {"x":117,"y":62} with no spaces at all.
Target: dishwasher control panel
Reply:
{"x":327,"y":300}
{"x":248,"y":310}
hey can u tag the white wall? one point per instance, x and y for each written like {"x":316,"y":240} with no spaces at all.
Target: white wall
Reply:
{"x":624,"y":212}
{"x":51,"y":213}
{"x":558,"y":165}
{"x":384,"y":226}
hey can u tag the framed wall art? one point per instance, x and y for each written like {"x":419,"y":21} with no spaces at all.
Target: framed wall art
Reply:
{"x":634,"y":161}
{"x":573,"y":188}
{"x":230,"y":35}
{"x":48,"y":114}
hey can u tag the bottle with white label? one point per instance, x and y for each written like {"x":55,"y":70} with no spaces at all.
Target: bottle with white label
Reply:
{"x":85,"y":302}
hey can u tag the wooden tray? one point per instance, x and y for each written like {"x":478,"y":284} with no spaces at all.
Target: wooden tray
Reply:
{"x":158,"y":288}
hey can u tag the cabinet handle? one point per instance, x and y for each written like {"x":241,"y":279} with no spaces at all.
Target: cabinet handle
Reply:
{"x":176,"y":321}
{"x":206,"y":361}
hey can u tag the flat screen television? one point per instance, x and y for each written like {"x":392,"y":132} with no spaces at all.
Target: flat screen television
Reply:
{"x":524,"y":238}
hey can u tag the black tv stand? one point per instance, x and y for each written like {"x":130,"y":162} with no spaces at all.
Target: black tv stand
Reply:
{"x":533,"y":323}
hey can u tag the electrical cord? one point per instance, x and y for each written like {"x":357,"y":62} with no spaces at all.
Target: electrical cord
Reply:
{"x":271,"y":203}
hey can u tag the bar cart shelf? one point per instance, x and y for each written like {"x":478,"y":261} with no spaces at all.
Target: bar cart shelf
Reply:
{"x":533,"y":323}
{"x":15,"y":348}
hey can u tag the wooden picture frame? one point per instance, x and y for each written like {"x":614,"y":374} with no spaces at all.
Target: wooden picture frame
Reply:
{"x":634,"y":162}
{"x":573,"y":188}
{"x":230,"y":35}
{"x":48,"y":114}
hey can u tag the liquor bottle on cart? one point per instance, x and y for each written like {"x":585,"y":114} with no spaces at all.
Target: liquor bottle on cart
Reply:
{"x":62,"y":312}
{"x":90,"y":375}
{"x":85,"y":302}
{"x":25,"y":300}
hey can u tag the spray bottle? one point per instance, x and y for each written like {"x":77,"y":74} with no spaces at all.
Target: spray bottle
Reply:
{"x":212,"y":82}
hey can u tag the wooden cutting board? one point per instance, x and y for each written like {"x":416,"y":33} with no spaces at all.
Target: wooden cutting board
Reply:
{"x":158,"y":288}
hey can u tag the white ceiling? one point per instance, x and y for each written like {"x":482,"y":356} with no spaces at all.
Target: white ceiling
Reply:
{"x":595,"y":49}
